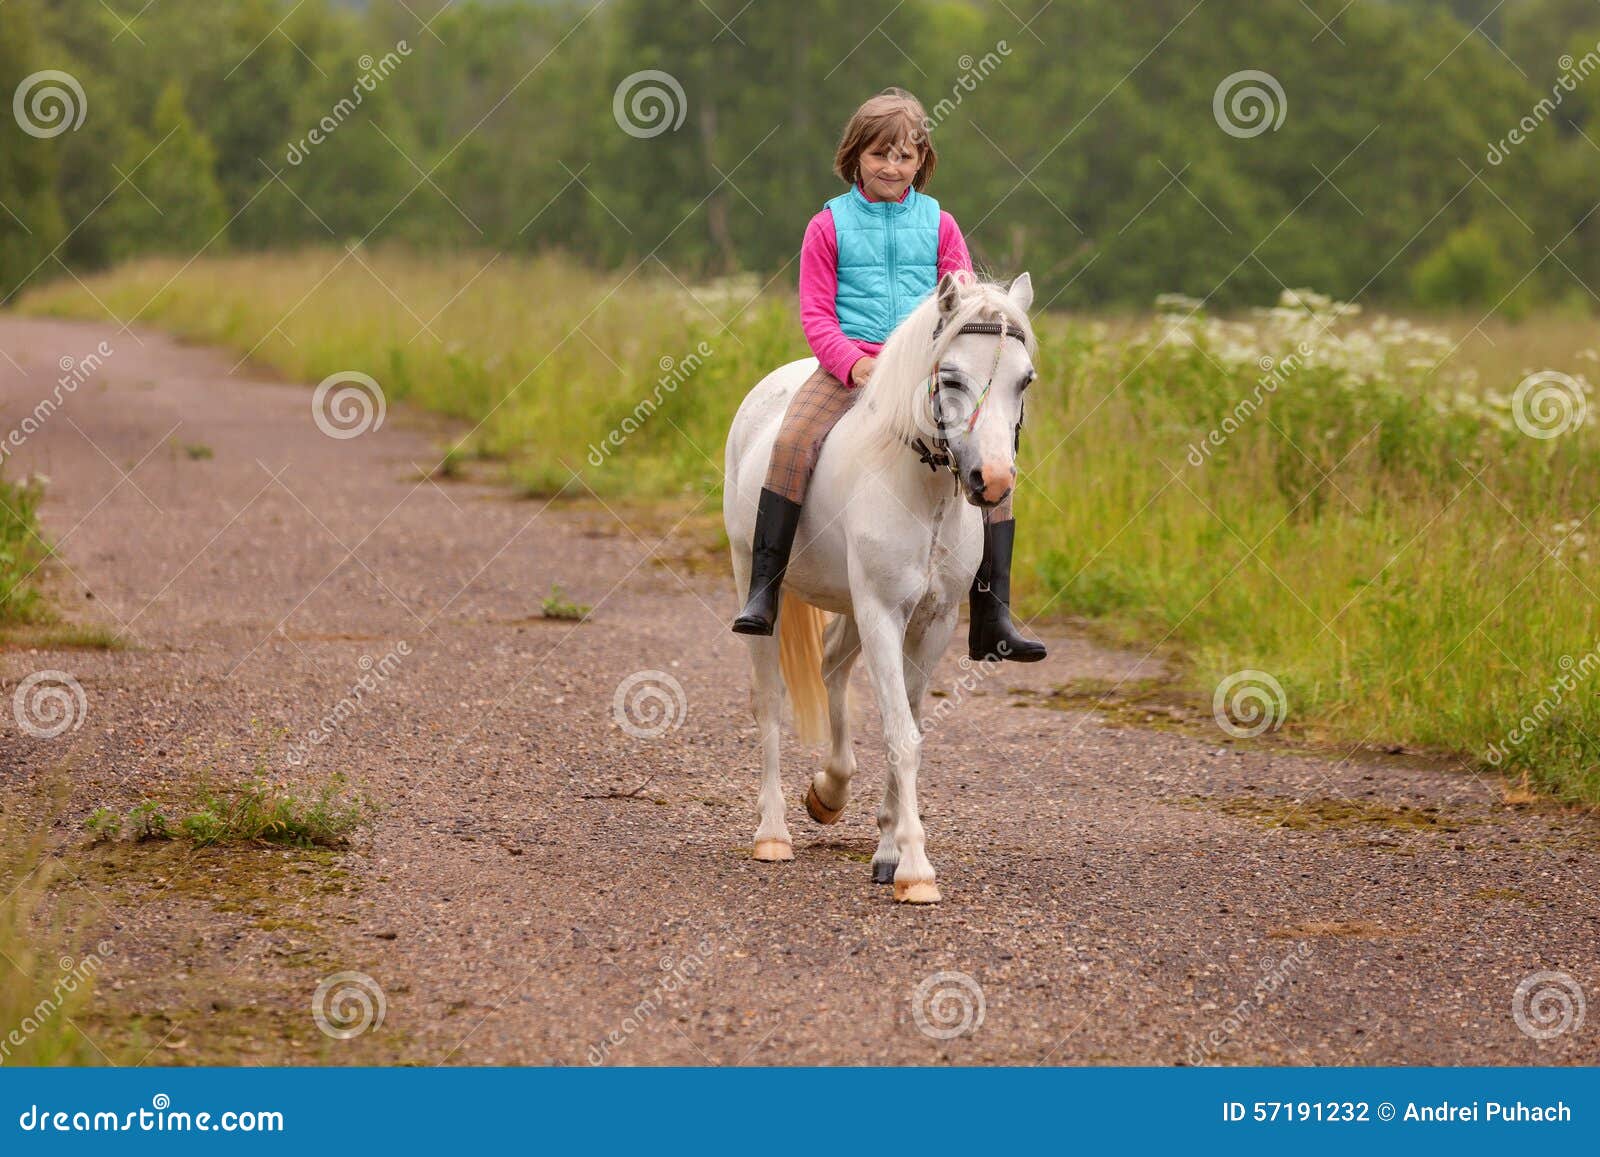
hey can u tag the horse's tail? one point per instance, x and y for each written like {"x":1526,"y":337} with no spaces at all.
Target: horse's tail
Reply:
{"x":800,"y":658}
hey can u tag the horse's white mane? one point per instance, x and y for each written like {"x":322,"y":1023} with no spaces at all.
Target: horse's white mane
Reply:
{"x":894,"y":402}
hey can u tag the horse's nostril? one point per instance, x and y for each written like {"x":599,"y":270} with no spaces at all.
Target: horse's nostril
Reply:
{"x":975,"y":478}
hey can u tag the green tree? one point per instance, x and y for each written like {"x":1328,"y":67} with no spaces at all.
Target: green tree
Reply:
{"x":1467,"y":268}
{"x":171,"y":202}
{"x":30,"y":216}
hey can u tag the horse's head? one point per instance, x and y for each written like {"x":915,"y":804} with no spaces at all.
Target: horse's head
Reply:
{"x":975,"y":393}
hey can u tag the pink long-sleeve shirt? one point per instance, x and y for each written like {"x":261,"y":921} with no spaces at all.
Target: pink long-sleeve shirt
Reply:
{"x":819,"y":289}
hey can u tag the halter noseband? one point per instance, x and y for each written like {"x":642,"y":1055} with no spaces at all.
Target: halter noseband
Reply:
{"x":939,"y":455}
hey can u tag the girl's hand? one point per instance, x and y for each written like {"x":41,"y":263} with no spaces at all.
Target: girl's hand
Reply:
{"x":861,"y":371}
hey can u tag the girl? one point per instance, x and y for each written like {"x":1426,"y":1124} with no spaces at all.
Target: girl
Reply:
{"x":868,"y":258}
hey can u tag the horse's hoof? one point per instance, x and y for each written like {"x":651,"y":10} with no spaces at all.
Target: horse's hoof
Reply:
{"x":817,"y":811}
{"x":883,"y":873}
{"x":774,"y":851}
{"x":916,"y":892}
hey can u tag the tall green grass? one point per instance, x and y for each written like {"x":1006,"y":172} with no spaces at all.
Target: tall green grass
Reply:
{"x":1379,"y":535}
{"x":1373,"y":529}
{"x":544,"y":357}
{"x":21,"y":550}
{"x":42,"y":988}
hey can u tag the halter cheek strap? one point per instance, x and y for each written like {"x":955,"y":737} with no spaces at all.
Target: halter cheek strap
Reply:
{"x":999,"y":346}
{"x":939,"y":455}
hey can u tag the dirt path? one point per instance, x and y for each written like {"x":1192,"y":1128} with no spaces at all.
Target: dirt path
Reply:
{"x":1114,"y":894}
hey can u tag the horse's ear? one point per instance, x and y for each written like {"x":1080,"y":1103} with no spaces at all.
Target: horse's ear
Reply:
{"x":949,"y":294}
{"x":1022,"y":291}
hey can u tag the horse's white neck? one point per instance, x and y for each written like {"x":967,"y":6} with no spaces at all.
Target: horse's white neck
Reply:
{"x":922,"y":491}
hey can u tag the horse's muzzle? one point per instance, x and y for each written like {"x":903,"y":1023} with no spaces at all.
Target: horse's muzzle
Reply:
{"x":983,"y":481}
{"x":977,"y":499}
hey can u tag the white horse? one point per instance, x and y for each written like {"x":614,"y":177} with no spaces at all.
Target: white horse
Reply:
{"x":886,"y":543}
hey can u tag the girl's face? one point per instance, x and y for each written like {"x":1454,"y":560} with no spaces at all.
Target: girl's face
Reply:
{"x":887,"y":168}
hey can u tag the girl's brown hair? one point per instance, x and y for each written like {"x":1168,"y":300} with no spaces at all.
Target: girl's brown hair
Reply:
{"x":894,"y":115}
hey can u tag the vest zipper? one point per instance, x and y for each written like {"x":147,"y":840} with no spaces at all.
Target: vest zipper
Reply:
{"x":894,"y":268}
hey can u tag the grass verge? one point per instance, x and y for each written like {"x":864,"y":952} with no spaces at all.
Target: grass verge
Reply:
{"x":21,"y":551}
{"x":43,"y":988}
{"x":1377,"y":524}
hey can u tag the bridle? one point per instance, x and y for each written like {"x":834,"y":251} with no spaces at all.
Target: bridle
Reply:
{"x":939,"y":454}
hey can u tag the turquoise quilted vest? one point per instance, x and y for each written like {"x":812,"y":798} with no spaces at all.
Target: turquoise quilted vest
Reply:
{"x":888,"y":260}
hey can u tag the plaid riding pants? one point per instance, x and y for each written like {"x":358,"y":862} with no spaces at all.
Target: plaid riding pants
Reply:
{"x":819,"y":403}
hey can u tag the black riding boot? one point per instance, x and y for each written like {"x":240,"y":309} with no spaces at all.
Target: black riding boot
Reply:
{"x":991,"y":634}
{"x":776,"y":519}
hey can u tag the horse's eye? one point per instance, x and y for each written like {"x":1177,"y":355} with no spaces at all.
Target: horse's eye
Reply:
{"x":1028,"y":379}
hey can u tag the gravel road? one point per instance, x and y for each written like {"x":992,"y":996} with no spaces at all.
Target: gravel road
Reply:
{"x":538,"y":885}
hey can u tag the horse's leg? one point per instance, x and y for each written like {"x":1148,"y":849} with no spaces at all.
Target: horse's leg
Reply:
{"x":883,"y":643}
{"x":921,"y":656}
{"x":830,"y":788}
{"x":766,"y":697}
{"x":887,"y":858}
